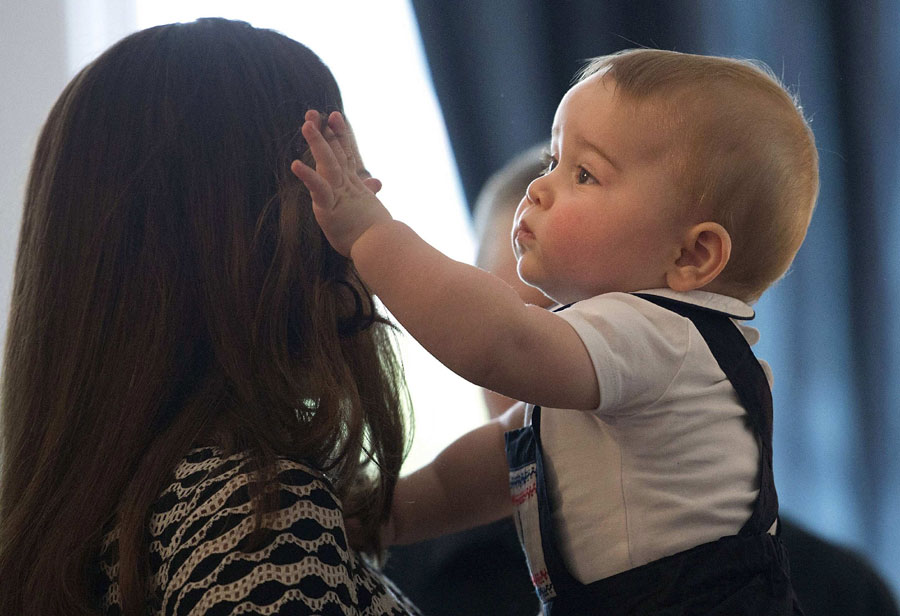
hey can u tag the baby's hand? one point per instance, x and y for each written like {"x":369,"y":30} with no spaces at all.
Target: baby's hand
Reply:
{"x":343,"y":194}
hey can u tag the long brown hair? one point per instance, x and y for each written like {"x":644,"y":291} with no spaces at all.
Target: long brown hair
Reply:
{"x":172,"y":288}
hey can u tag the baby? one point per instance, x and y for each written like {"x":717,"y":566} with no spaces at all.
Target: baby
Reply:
{"x":678,"y":188}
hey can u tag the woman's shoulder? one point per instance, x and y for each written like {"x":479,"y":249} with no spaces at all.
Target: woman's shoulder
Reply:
{"x":206,"y":557}
{"x":209,"y":502}
{"x":209,"y":482}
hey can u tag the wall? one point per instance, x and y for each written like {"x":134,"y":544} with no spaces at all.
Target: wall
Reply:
{"x":33,"y":71}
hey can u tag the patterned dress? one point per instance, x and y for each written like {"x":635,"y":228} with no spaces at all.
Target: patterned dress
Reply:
{"x":200,"y":564}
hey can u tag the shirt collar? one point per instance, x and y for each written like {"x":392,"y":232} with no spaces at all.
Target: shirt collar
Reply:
{"x":733,"y":307}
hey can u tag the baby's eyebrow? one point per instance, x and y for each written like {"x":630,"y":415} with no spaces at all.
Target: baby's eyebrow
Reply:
{"x":600,"y":152}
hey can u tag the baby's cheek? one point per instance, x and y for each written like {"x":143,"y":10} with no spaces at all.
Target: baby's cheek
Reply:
{"x":566,"y":221}
{"x":572,"y":229}
{"x":569,"y":250}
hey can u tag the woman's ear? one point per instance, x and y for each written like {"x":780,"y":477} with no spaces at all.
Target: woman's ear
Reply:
{"x":704,"y":254}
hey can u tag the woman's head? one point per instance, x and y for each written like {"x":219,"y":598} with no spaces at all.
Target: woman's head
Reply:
{"x":172,"y":286}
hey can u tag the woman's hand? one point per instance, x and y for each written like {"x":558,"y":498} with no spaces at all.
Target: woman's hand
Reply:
{"x":342,"y":191}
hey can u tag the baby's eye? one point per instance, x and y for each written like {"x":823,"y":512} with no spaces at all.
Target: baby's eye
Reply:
{"x":584,"y":177}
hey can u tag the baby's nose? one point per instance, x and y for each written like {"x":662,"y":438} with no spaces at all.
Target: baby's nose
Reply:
{"x":536,"y":192}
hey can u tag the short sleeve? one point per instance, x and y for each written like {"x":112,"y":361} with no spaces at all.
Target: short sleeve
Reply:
{"x":637,"y":348}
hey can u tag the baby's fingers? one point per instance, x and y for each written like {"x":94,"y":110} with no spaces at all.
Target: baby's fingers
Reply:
{"x":331,"y":161}
{"x":327,"y":163}
{"x":348,"y":163}
{"x":319,"y":188}
{"x":347,"y":140}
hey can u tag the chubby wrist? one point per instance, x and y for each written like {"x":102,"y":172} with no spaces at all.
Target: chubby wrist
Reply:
{"x":379,"y":238}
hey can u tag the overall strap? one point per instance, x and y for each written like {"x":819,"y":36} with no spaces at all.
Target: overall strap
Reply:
{"x":734,"y":356}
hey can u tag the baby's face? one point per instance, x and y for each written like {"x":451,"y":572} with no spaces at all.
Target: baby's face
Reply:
{"x":602,"y":218}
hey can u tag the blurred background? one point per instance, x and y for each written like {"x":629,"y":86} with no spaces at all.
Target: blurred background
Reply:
{"x":442,"y":94}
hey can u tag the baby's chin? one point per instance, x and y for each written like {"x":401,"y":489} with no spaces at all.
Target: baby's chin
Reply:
{"x":565,"y":296}
{"x":562,"y":296}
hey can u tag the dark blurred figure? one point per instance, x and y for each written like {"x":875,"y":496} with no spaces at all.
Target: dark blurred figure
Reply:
{"x":482,"y":572}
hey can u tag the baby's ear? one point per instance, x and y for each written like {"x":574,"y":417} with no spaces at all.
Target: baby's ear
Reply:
{"x":704,"y":253}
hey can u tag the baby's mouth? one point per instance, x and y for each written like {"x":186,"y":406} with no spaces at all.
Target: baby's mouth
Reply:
{"x":523,"y":232}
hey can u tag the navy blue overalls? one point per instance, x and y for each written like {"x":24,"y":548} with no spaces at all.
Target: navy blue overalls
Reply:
{"x":744,"y":574}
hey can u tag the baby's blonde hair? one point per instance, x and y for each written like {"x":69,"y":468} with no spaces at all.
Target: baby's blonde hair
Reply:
{"x":739,"y":146}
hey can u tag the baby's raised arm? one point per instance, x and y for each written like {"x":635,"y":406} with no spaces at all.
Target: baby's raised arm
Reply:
{"x":472,"y":321}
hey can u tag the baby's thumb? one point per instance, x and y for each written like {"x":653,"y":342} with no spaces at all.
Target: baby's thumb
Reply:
{"x":373,"y":184}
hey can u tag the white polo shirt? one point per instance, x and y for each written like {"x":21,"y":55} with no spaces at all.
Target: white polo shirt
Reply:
{"x":666,"y":461}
